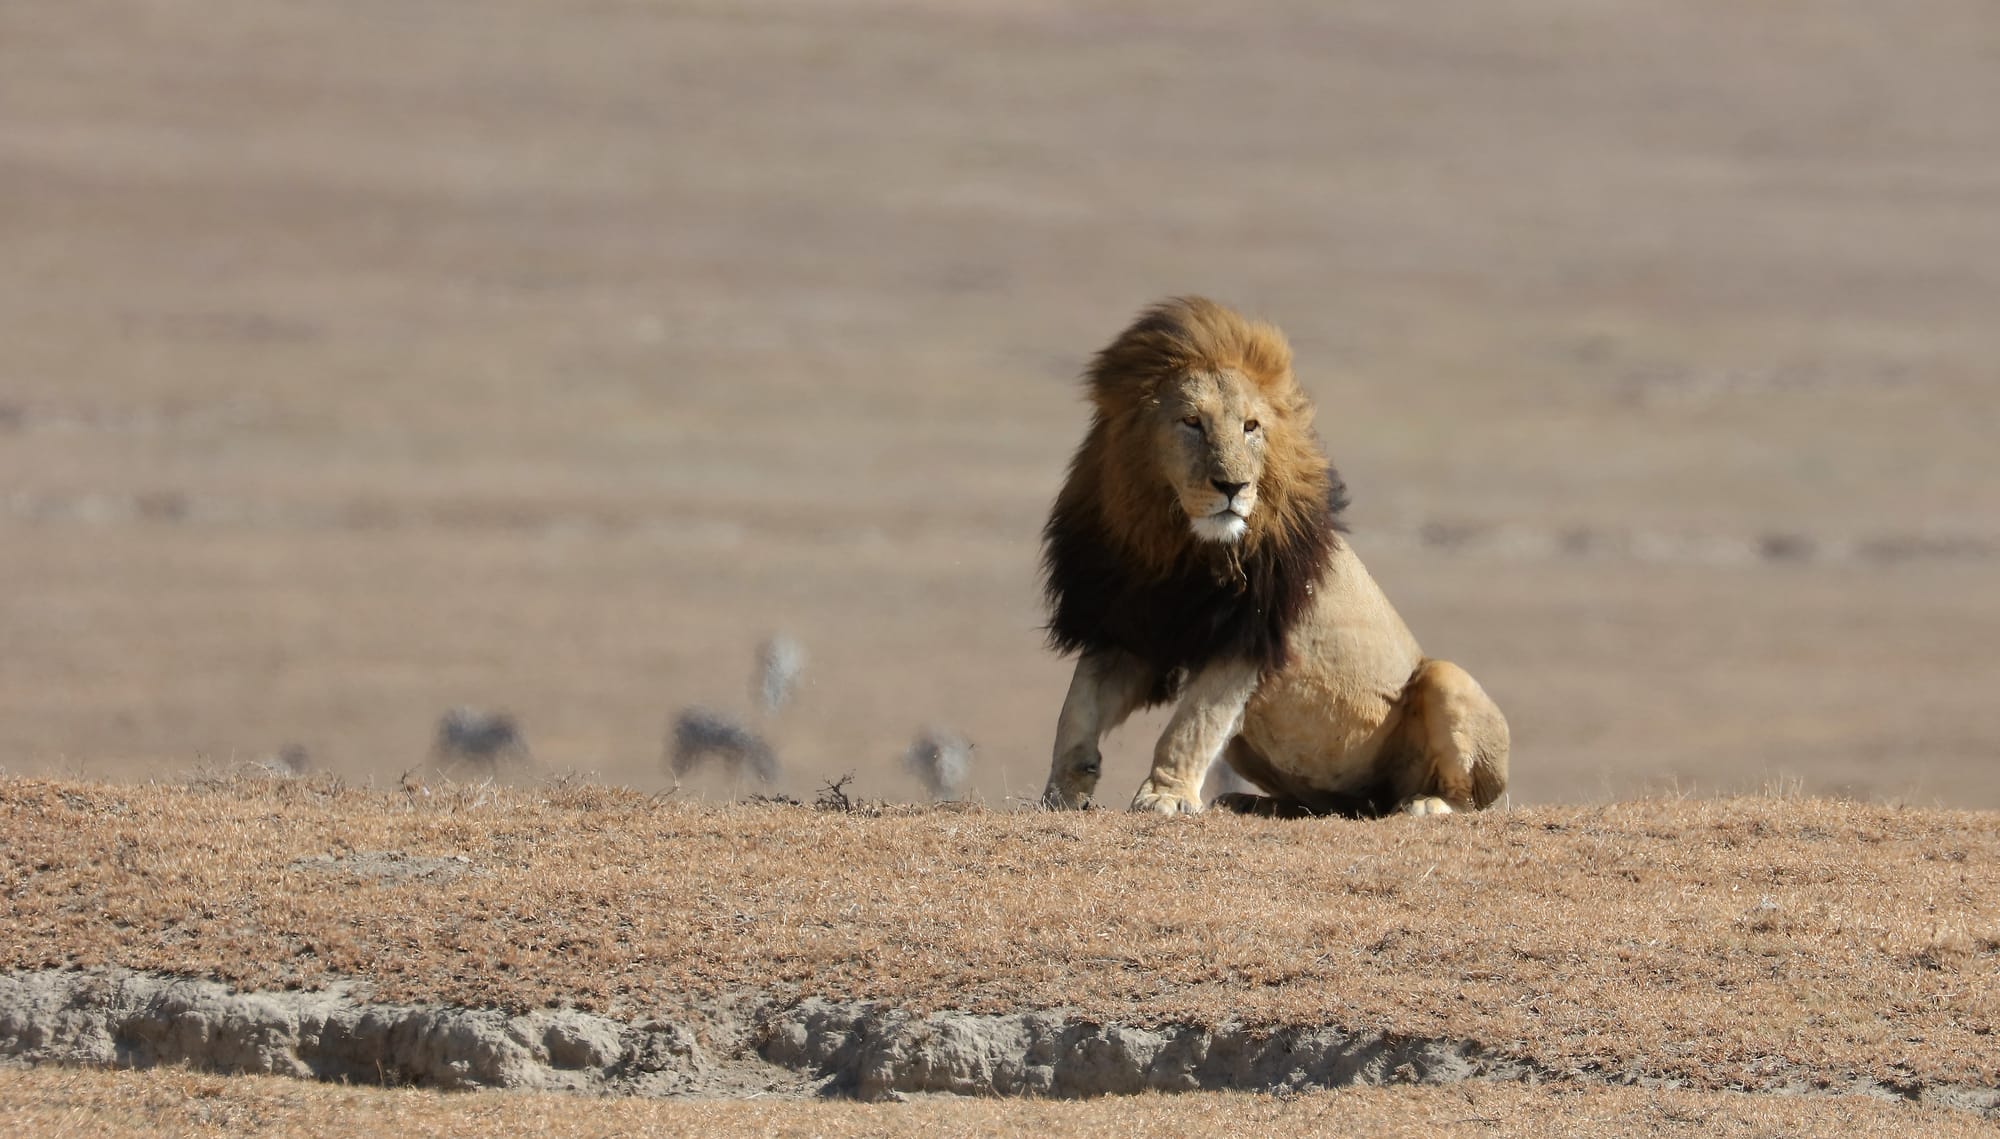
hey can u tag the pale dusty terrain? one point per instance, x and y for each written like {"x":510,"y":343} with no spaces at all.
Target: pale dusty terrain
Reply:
{"x":362,"y":359}
{"x":175,"y":1104}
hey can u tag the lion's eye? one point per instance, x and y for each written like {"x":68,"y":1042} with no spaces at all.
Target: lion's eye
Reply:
{"x":1249,"y":425}
{"x":1193,"y":421}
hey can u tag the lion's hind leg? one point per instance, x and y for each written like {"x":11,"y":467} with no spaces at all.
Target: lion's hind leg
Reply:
{"x":1459,"y":743}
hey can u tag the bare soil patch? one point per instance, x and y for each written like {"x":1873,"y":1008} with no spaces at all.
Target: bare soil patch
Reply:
{"x":165,"y":1102}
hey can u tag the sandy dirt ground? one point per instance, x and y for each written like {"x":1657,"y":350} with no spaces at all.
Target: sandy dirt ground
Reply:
{"x":363,"y":359}
{"x":52,"y":1102}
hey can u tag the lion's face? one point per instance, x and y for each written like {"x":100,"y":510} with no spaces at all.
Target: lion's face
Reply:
{"x":1209,"y":434}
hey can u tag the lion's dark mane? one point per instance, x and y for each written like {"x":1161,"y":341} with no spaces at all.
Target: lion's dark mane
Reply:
{"x":1203,"y":609}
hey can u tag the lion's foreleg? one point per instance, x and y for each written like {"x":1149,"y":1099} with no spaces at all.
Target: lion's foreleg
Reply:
{"x":1107,"y":687}
{"x":1210,"y":711}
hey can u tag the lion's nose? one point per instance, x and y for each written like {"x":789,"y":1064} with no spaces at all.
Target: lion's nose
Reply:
{"x":1229,"y":489}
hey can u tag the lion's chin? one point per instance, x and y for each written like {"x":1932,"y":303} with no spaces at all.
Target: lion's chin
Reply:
{"x":1228,"y":526}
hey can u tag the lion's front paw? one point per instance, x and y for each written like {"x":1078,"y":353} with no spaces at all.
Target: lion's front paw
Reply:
{"x":1427,"y":805}
{"x":1165,"y":799}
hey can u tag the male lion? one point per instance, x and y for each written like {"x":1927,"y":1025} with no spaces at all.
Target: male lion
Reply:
{"x":1195,"y":553}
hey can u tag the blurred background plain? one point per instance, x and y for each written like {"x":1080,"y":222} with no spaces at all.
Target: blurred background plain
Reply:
{"x":365,"y":358}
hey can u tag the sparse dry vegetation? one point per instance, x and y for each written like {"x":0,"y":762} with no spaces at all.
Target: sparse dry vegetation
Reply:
{"x":1743,"y":942}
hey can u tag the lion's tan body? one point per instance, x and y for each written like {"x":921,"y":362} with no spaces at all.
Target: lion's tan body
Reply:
{"x":1201,"y":493}
{"x":1348,"y":718}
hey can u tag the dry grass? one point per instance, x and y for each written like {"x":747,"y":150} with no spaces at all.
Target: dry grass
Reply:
{"x":1736,"y":942}
{"x":171,"y":1103}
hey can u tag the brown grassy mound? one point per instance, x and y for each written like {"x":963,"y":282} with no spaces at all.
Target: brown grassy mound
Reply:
{"x":1740,"y":942}
{"x":178,"y":1103}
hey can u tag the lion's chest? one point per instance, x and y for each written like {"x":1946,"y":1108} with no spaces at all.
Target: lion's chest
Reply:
{"x":1184,"y":624}
{"x":1176,"y":622}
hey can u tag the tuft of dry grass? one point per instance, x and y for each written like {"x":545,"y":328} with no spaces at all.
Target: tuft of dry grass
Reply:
{"x":170,"y":1102}
{"x":1743,"y":942}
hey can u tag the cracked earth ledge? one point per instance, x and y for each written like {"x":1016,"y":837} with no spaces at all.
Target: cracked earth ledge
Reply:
{"x":123,"y":1019}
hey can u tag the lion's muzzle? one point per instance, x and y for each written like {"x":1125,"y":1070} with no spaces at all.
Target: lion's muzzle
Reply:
{"x":1226,"y":516}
